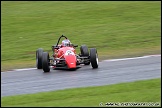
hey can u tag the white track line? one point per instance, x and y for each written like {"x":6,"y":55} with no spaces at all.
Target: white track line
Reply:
{"x":103,"y":60}
{"x":24,"y":69}
{"x":132,"y":58}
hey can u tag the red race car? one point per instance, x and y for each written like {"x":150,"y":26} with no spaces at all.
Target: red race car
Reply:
{"x":64,"y":56}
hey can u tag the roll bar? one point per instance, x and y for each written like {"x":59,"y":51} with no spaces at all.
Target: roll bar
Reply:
{"x":56,"y":46}
{"x":60,"y":38}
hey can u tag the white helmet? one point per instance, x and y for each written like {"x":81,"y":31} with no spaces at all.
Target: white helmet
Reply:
{"x":65,"y":42}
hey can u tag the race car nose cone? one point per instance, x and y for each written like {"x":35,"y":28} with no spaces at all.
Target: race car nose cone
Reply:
{"x":71,"y":61}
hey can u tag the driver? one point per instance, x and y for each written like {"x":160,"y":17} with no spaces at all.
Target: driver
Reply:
{"x":65,"y":42}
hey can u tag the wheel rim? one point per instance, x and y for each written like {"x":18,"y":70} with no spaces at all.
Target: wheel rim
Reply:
{"x":97,"y":58}
{"x":37,"y":60}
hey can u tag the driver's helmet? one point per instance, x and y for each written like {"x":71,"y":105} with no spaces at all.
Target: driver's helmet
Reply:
{"x":65,"y":42}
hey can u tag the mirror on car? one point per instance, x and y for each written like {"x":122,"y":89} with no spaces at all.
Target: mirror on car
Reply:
{"x":55,"y":47}
{"x":75,"y":45}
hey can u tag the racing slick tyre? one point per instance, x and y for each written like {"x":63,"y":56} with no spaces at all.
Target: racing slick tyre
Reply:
{"x":84,"y":52}
{"x":39,"y":53}
{"x":94,"y":57}
{"x":45,"y":62}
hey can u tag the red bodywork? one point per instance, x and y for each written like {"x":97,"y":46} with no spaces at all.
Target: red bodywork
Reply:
{"x":67,"y":53}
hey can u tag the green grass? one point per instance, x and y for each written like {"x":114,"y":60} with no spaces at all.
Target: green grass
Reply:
{"x":116,"y":28}
{"x":138,"y":91}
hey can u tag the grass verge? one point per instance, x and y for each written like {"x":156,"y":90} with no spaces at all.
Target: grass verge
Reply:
{"x":115,"y":28}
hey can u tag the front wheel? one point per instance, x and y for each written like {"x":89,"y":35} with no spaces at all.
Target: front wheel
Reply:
{"x":94,"y":57}
{"x":45,"y":62}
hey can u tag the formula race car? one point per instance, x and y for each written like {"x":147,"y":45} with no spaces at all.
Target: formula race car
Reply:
{"x":64,"y":56}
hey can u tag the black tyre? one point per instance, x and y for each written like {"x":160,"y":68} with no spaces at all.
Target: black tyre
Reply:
{"x":39,"y":53}
{"x":45,"y":62}
{"x":94,"y":57}
{"x":84,"y":52}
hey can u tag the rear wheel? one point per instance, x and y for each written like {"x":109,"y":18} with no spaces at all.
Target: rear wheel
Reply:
{"x":84,"y":52}
{"x":45,"y":62}
{"x":39,"y":53}
{"x":94,"y":57}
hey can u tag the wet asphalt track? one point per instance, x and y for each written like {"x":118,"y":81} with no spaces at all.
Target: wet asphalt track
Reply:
{"x":109,"y":72}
